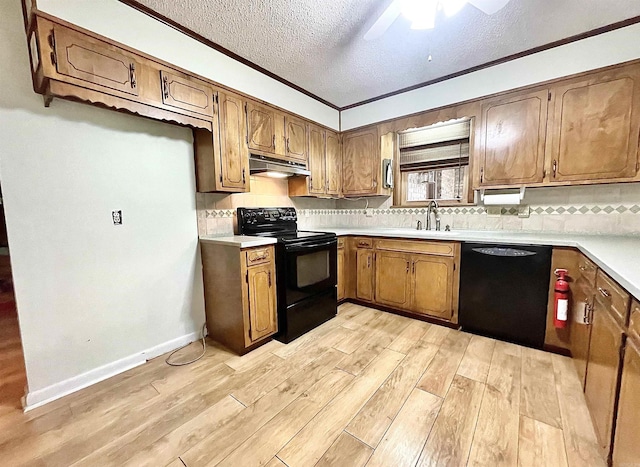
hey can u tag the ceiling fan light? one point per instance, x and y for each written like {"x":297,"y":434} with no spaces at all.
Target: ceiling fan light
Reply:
{"x":421,"y":13}
{"x":452,"y":7}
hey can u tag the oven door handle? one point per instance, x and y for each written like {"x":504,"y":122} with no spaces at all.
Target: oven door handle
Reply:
{"x":312,"y":246}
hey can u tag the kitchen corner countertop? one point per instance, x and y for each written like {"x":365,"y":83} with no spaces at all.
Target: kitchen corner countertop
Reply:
{"x":618,"y":256}
{"x":240,"y":241}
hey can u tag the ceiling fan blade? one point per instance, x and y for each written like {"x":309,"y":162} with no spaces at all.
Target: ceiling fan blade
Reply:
{"x":385,"y":20}
{"x":489,"y":6}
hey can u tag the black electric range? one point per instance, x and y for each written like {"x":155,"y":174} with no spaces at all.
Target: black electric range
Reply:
{"x":306,"y":269}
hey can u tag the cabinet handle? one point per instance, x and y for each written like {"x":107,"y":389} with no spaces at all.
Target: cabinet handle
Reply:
{"x":132,"y":75}
{"x":52,"y":43}
{"x":287,"y":140}
{"x":165,"y":87}
{"x":555,"y":168}
{"x":407,"y":267}
{"x":582,"y":268}
{"x":368,"y":261}
{"x":274,"y":141}
{"x":244,"y":179}
{"x":363,"y":244}
{"x":481,"y":174}
{"x":269,"y":279}
{"x":604,"y":292}
{"x":414,"y":268}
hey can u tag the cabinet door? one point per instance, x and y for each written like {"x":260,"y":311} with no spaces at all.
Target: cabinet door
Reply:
{"x":432,"y":285}
{"x":364,"y":274}
{"x":513,"y":140}
{"x":234,"y":153}
{"x":317,"y":181}
{"x":333,"y":164}
{"x":296,"y":138}
{"x":626,"y":448}
{"x":361,"y":162}
{"x":594,"y":127}
{"x":341,"y":275}
{"x":580,"y":330}
{"x":602,"y":373}
{"x":186,"y":94}
{"x":261,"y":123}
{"x":93,"y":61}
{"x":262,"y":301}
{"x":393,"y":286}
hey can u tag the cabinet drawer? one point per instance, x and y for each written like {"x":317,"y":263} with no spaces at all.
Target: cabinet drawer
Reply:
{"x":259,"y":256}
{"x":612,"y":296}
{"x":587,"y":269}
{"x":417,"y":246}
{"x":634,"y":322}
{"x":340,"y":242}
{"x":363,"y":242}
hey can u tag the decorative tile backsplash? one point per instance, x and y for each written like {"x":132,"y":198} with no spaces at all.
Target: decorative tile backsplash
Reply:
{"x":597,"y":209}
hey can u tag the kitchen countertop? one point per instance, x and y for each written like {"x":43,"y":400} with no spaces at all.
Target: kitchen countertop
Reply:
{"x":239,"y":241}
{"x":618,"y":256}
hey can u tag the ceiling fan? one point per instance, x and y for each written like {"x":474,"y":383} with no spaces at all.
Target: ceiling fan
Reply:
{"x":422,"y":13}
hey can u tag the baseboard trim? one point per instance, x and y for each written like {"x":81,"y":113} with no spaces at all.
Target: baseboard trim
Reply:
{"x":35,"y":399}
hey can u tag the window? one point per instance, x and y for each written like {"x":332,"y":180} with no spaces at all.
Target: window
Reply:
{"x":434,"y":163}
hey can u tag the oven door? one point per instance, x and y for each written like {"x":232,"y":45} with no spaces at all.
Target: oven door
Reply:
{"x":311,"y":268}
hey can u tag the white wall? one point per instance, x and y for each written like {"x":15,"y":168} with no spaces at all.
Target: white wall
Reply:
{"x":93,"y":298}
{"x":124,"y":24}
{"x":596,"y":52}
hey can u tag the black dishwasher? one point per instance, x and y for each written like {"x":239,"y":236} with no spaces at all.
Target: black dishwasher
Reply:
{"x":504,"y":291}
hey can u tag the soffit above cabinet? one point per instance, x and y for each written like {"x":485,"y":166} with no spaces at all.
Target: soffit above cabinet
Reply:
{"x":319,"y":46}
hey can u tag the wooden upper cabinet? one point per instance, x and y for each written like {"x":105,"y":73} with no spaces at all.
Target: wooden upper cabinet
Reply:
{"x":594,"y":125}
{"x":432,"y":285}
{"x":513,"y":139}
{"x":603,"y":369}
{"x":262,"y":301}
{"x":392,"y":278}
{"x":234,"y":154}
{"x":88,"y":59}
{"x":361,"y":162}
{"x":333,"y":170}
{"x":186,"y":93}
{"x":626,"y":448}
{"x":261,"y":124}
{"x":317,"y":160}
{"x":296,"y":138}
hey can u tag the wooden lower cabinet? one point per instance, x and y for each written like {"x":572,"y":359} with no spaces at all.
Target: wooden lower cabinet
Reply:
{"x":240,"y":294}
{"x":364,"y":274}
{"x":432,"y":285}
{"x":579,"y":327}
{"x":393,"y":284}
{"x":603,"y":370}
{"x":626,"y":445}
{"x":342,"y":277}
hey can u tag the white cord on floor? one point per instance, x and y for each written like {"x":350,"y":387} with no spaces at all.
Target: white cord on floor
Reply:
{"x":204,"y":350}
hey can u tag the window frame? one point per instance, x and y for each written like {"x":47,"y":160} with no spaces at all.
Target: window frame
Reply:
{"x":400,"y":182}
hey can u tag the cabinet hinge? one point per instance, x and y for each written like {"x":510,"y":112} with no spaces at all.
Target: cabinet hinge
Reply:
{"x":246,"y":277}
{"x":454,"y":266}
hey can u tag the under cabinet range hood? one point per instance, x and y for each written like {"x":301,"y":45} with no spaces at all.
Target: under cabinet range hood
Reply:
{"x":262,"y":165}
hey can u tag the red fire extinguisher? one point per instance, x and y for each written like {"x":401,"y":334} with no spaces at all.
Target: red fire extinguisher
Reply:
{"x":561,"y":299}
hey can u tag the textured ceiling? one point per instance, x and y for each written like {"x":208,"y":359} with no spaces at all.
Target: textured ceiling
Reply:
{"x":318,"y":45}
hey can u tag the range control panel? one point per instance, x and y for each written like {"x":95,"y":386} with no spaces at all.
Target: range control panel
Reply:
{"x":266,"y":216}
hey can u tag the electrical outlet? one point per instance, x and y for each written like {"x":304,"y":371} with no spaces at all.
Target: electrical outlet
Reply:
{"x":368,"y":213}
{"x":117,"y":217}
{"x":494,"y":211}
{"x":524,"y":211}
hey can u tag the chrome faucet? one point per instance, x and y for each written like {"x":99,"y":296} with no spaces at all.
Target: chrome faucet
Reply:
{"x":433,"y":207}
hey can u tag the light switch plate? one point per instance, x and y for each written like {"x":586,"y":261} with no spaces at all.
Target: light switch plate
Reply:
{"x":116,"y":216}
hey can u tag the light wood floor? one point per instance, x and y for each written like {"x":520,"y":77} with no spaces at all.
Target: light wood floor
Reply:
{"x":367,"y":388}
